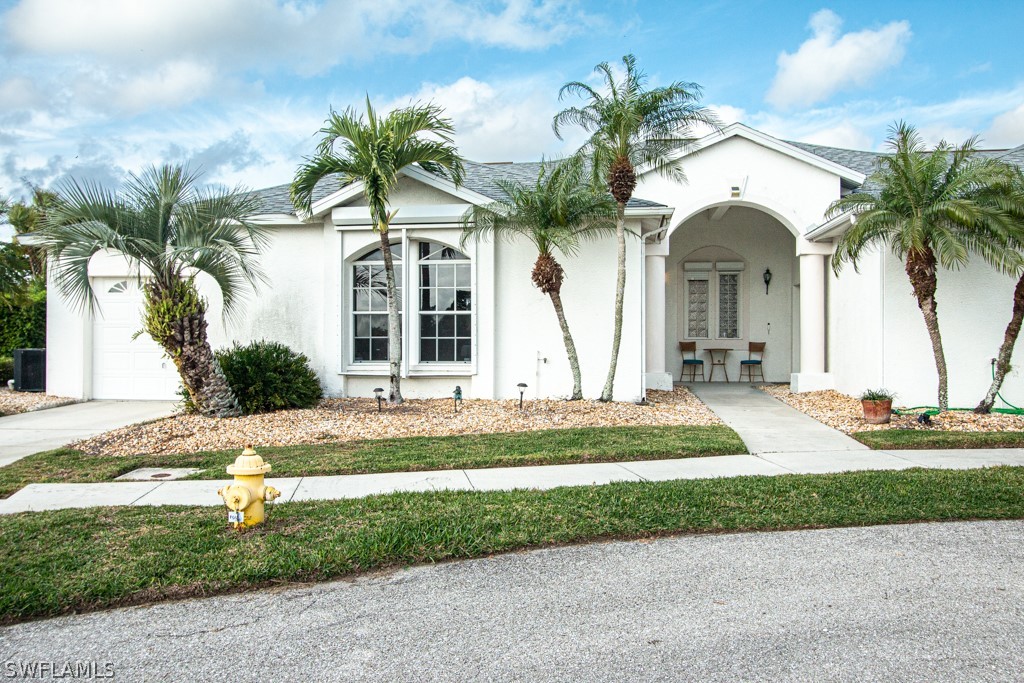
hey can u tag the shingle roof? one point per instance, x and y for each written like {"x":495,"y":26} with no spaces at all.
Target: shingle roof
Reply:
{"x":479,"y":178}
{"x":867,"y":162}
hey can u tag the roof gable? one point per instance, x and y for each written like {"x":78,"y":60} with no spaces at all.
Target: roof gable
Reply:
{"x":798,"y":152}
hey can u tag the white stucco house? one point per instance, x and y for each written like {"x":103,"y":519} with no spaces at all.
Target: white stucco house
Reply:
{"x":696,"y":272}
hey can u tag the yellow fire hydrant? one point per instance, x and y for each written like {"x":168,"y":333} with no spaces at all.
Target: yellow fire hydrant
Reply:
{"x":244,"y":499}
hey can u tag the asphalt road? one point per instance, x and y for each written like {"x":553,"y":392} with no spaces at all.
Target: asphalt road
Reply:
{"x":925,"y":602}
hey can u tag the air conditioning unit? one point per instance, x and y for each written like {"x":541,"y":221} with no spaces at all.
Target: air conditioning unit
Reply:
{"x":30,"y":369}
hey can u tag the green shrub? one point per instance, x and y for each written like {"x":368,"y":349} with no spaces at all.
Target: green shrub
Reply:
{"x":24,"y":327}
{"x":6,"y":370}
{"x":267,"y":376}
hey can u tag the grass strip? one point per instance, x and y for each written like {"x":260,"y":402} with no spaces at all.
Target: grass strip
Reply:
{"x":70,"y":560}
{"x":546,"y":447}
{"x":917,"y":439}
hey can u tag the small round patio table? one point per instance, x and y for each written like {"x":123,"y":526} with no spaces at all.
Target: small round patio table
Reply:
{"x":718,"y":358}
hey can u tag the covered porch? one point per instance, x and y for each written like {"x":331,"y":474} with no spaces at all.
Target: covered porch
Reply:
{"x":726,"y":276}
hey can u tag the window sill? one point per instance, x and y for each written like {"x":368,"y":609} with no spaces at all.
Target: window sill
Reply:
{"x":442,"y":370}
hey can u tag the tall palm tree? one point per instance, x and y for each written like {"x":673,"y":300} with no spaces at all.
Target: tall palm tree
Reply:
{"x":559,"y":211}
{"x":170,"y":229}
{"x":631,"y":126}
{"x":927,"y":213}
{"x":1009,"y":198}
{"x":373,"y":150}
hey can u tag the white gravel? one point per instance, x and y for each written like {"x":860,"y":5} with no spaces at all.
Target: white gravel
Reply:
{"x":14,"y":402}
{"x":339,"y":420}
{"x":844,"y":413}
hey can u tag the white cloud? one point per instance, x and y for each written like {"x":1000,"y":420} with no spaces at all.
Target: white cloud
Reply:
{"x":829,"y":62}
{"x":845,"y":134}
{"x":1007,"y":129}
{"x":257,"y":34}
{"x":500,"y":121}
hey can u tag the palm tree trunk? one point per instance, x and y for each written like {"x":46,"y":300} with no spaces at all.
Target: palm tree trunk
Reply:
{"x":570,"y":347}
{"x":394,"y":320}
{"x":1006,"y":350}
{"x":176,"y":319}
{"x":920,"y":267}
{"x":620,"y":293}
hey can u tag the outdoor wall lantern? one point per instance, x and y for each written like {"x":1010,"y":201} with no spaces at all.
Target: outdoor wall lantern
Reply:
{"x":379,"y":393}
{"x":522,"y":390}
{"x":457,"y":397}
{"x":767,"y":279}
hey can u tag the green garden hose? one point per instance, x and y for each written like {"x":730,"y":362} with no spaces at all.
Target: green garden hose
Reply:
{"x":933,"y":410}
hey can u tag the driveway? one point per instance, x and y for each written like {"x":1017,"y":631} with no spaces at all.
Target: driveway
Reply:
{"x":41,"y":430}
{"x":919,"y":602}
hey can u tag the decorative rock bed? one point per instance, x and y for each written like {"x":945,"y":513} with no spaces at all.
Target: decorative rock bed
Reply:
{"x":338,"y":420}
{"x":844,"y":413}
{"x":13,"y":402}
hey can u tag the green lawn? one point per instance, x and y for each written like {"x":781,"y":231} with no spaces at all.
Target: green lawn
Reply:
{"x":62,"y":561}
{"x":547,"y":447}
{"x":921,"y":438}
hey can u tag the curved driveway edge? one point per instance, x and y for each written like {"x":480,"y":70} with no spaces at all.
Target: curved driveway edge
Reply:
{"x":42,"y":430}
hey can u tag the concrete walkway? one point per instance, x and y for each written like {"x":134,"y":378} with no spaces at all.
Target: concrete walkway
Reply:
{"x":43,"y":430}
{"x":768,"y":425}
{"x":61,"y":496}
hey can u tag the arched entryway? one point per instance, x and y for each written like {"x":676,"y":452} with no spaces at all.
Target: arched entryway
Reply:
{"x":714,"y":293}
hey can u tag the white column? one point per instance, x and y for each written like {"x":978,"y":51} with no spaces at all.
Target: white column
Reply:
{"x":812,"y":376}
{"x":655,"y":376}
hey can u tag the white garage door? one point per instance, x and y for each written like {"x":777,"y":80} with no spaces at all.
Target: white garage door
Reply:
{"x":122,"y":367}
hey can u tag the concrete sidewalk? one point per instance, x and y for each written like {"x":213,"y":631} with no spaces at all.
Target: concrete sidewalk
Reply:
{"x":42,"y":430}
{"x":768,"y":425}
{"x":61,"y":496}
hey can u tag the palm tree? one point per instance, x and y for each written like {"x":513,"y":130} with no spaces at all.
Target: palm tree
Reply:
{"x":559,"y":211}
{"x":631,"y":126}
{"x":170,"y":229}
{"x":373,"y":150}
{"x":927,"y":213}
{"x":1009,"y":198}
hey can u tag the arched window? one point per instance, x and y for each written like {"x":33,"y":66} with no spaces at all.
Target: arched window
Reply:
{"x":370,"y":305}
{"x":445,"y":305}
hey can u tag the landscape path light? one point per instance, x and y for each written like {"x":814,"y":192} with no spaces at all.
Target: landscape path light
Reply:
{"x":379,"y":393}
{"x":522,"y":390}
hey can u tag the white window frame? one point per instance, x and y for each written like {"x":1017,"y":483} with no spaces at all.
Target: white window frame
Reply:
{"x":424,"y":367}
{"x":712,"y":272}
{"x":370,"y":367}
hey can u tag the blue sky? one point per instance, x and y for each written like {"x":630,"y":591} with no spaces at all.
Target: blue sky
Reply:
{"x":97,"y":88}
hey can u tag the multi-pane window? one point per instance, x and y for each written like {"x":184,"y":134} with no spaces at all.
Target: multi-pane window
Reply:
{"x":445,"y":305}
{"x":370,"y":305}
{"x":728,"y":305}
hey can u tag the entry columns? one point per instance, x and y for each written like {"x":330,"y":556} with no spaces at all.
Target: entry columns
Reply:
{"x":812,"y":376}
{"x":655,"y":376}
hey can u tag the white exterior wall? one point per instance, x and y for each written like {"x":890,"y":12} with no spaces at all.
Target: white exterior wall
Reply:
{"x":527,"y":328}
{"x":794,"y":192}
{"x":973,"y":307}
{"x":855,"y":308}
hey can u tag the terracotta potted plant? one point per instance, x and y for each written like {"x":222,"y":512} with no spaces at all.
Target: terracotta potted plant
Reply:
{"x":877,"y":404}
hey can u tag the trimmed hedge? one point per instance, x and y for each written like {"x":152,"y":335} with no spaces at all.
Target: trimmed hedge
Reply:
{"x":6,"y":370}
{"x":24,"y":327}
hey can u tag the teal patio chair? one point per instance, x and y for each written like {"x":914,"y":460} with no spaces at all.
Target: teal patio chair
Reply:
{"x":754,"y":348}
{"x":691,"y":364}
